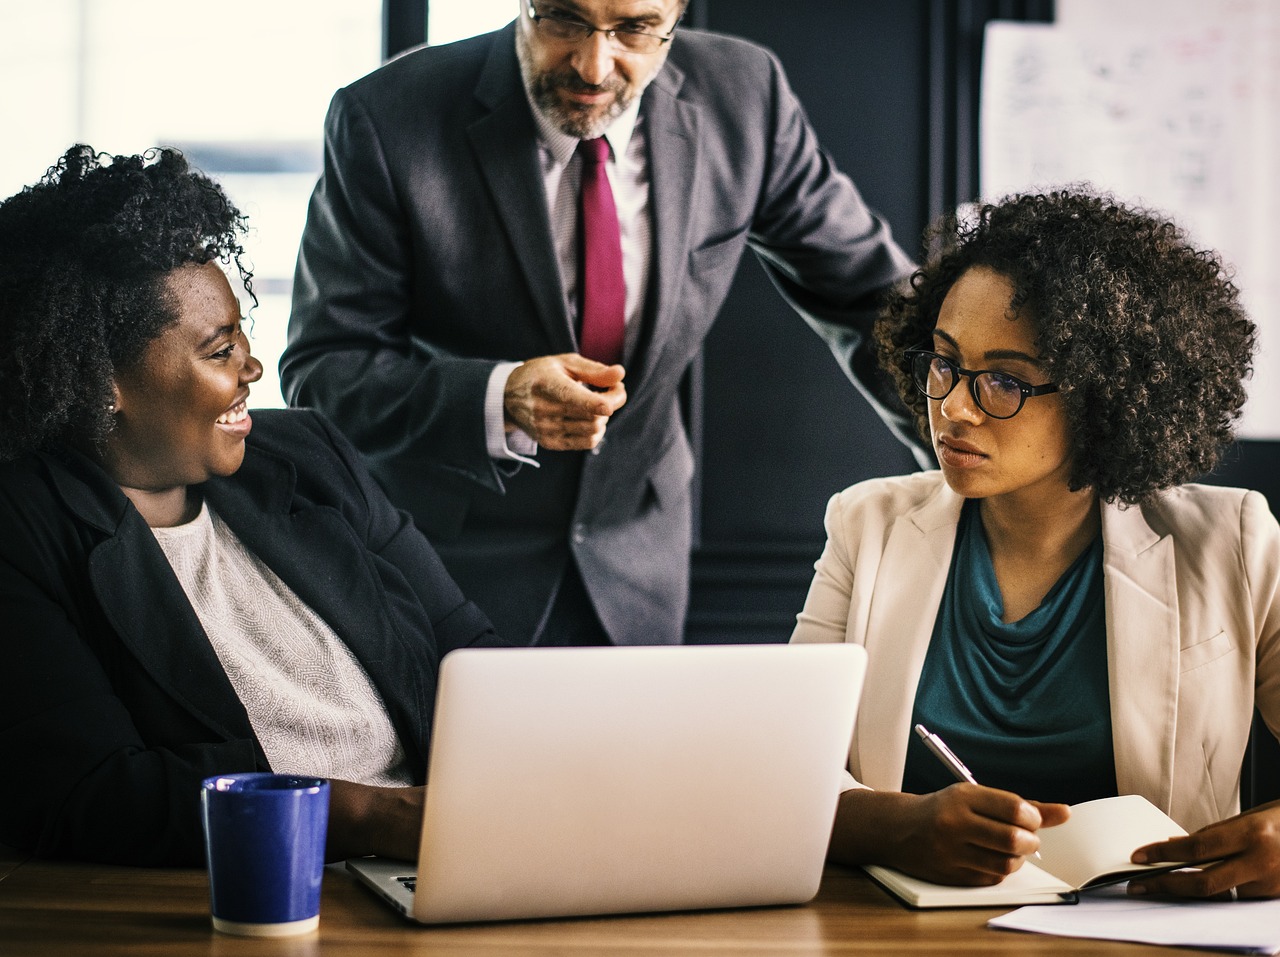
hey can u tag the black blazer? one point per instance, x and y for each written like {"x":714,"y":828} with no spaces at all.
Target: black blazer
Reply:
{"x":115,"y":705}
{"x":428,"y":256}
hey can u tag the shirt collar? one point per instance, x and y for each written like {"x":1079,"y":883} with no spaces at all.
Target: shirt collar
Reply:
{"x":561,"y":145}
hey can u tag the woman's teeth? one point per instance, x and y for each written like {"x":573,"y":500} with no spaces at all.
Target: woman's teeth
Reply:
{"x":233,"y":415}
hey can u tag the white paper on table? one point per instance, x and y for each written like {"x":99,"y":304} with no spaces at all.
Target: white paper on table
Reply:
{"x":1243,"y":927}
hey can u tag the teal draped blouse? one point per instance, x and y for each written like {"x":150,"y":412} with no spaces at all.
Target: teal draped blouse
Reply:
{"x":1024,"y":704}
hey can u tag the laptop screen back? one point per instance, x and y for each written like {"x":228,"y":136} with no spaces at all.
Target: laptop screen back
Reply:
{"x":572,"y":781}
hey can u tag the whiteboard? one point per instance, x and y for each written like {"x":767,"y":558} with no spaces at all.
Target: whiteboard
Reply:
{"x":1174,"y":104}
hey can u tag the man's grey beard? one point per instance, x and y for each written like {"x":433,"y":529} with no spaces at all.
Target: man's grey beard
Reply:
{"x":582,"y":124}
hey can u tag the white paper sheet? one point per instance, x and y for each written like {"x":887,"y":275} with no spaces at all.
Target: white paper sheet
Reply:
{"x":1245,"y":927}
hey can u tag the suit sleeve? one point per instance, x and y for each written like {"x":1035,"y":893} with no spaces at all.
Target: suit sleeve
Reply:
{"x":80,"y":780}
{"x":825,"y":615}
{"x":826,"y":608}
{"x":392,"y":538}
{"x":829,"y":255}
{"x":351,"y":352}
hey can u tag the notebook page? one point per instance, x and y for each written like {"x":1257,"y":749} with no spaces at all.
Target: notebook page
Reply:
{"x":1100,"y":836}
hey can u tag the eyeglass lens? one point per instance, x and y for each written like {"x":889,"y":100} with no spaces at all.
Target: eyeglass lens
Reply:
{"x":999,"y":396}
{"x":575,"y":31}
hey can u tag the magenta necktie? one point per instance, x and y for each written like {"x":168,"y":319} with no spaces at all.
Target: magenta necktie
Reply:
{"x":603,"y":291}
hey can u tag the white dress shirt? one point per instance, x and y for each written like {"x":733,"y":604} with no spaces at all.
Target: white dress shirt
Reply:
{"x":628,"y":172}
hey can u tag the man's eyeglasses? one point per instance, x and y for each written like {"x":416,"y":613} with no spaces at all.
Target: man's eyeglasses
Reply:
{"x":563,"y":28}
{"x":997,"y":394}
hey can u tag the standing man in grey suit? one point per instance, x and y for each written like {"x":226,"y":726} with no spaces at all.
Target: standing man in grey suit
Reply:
{"x":446,"y":316}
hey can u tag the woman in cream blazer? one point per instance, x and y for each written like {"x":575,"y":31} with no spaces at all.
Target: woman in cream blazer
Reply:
{"x":1116,"y":380}
{"x":1192,"y":586}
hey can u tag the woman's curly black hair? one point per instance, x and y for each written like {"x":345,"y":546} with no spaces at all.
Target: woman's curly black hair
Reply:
{"x":83,"y":258}
{"x":1144,"y":334}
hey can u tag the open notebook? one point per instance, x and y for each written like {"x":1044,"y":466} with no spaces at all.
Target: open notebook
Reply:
{"x":573,"y":781}
{"x":1089,"y":850}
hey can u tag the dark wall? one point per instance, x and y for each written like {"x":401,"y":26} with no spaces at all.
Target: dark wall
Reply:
{"x":783,"y":428}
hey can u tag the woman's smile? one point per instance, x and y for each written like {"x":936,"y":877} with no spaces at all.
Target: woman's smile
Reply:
{"x":236,"y":419}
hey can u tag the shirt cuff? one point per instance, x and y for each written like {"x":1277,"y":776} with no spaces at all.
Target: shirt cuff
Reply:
{"x":514,"y":446}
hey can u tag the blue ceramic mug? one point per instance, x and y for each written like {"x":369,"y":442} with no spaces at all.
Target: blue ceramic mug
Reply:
{"x":264,"y":840}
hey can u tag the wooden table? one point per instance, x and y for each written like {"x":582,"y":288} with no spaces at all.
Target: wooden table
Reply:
{"x":77,"y":909}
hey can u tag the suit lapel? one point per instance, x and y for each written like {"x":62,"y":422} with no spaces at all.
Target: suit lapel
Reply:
{"x":1142,"y":651}
{"x":505,"y":143}
{"x":671,"y":140}
{"x":303,"y":544}
{"x":912,"y":577}
{"x":148,"y":609}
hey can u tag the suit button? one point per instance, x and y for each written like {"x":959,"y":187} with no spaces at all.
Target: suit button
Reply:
{"x":579,"y":533}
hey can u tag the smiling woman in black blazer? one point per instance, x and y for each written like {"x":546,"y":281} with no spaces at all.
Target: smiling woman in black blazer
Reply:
{"x":186,"y":590}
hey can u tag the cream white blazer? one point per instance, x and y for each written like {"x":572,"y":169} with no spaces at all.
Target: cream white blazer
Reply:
{"x":1192,"y":587}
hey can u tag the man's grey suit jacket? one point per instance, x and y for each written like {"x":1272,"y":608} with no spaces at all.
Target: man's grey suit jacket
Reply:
{"x":427,"y":257}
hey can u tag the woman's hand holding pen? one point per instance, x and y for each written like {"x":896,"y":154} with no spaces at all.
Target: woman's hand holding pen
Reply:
{"x":965,"y":834}
{"x":973,"y":835}
{"x":999,"y":826}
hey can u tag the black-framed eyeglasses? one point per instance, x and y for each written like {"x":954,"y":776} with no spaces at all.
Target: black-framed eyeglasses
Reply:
{"x":997,"y":394}
{"x":563,"y":28}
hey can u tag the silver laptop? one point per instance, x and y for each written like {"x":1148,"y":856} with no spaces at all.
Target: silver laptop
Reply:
{"x":574,"y":781}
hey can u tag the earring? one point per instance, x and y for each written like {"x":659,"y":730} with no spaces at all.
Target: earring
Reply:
{"x":111,"y":408}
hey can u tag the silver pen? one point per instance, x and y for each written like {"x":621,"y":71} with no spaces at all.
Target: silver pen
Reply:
{"x":947,"y":757}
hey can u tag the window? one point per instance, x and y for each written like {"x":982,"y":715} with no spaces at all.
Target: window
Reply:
{"x":449,"y":20}
{"x":240,"y":86}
